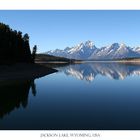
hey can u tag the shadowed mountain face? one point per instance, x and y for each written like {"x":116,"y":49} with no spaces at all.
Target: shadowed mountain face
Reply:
{"x":88,"y":71}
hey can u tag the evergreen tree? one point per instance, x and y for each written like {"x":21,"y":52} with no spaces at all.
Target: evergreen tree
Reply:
{"x":34,"y":53}
{"x":14,"y":47}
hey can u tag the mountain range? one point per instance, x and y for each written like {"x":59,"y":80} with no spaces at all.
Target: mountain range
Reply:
{"x":88,"y":51}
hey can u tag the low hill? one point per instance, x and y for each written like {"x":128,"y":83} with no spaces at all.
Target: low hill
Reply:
{"x":51,"y":58}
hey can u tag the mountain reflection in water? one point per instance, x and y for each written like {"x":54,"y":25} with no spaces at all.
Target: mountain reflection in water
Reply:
{"x":62,"y":102}
{"x":88,"y":71}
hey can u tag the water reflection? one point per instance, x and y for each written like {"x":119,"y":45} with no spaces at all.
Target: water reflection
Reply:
{"x":15,"y":95}
{"x":63,"y":102}
{"x":88,"y":71}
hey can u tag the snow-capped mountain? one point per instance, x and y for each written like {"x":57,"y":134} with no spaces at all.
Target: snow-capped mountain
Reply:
{"x":81,"y":51}
{"x":115,"y":51}
{"x":88,"y":50}
{"x":137,"y":49}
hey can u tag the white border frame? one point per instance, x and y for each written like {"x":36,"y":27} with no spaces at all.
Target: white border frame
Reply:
{"x":69,"y":5}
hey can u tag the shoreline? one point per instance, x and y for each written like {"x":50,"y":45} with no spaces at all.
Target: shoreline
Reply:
{"x":23,"y":71}
{"x":88,"y":61}
{"x":111,"y":61}
{"x":27,"y":71}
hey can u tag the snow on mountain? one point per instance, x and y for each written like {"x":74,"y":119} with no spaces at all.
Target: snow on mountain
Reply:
{"x":105,"y":52}
{"x":137,"y":49}
{"x":115,"y":51}
{"x":81,"y":51}
{"x":88,"y":50}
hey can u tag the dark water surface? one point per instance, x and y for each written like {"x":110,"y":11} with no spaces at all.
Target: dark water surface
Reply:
{"x":95,"y":96}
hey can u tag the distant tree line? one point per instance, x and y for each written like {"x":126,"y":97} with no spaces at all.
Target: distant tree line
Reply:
{"x":14,"y":47}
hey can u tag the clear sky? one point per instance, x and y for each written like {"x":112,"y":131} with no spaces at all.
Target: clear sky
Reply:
{"x":51,"y":29}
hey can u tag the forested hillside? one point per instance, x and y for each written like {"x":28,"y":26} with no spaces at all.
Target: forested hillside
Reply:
{"x":14,"y":47}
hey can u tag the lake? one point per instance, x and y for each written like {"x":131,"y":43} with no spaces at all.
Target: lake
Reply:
{"x":88,"y":96}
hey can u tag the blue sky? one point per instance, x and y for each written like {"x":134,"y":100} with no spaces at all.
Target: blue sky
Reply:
{"x":51,"y":29}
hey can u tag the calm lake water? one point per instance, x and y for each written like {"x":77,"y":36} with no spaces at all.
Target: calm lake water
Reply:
{"x":95,"y":96}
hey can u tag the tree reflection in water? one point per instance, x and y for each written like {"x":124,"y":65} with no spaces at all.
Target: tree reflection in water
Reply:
{"x":15,"y":95}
